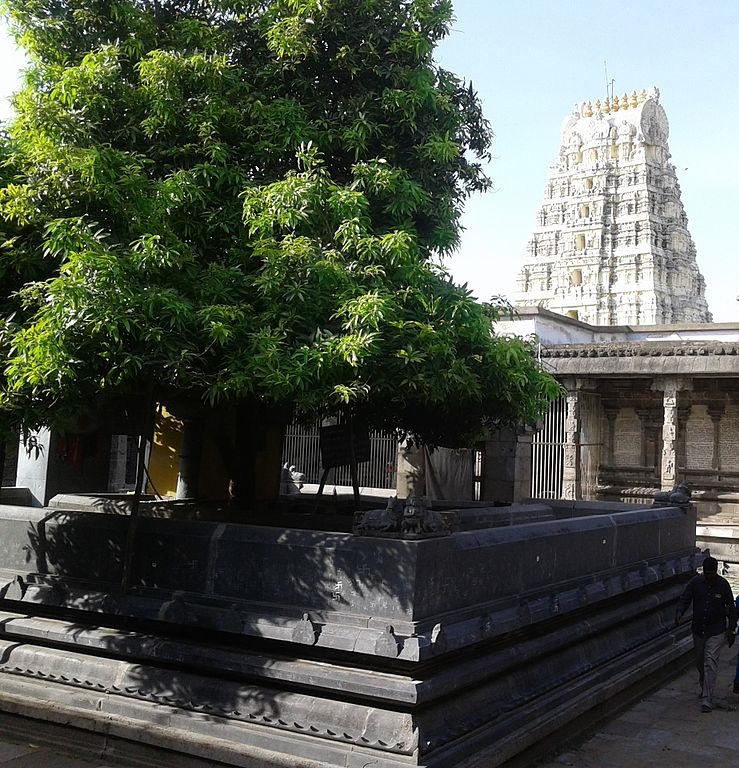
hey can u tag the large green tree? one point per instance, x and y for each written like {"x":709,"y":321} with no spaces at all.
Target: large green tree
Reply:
{"x":246,"y":202}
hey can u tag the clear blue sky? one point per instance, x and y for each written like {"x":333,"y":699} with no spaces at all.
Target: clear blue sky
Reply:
{"x":532,"y":60}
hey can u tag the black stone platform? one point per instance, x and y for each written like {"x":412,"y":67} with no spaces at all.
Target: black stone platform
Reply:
{"x":270,"y":646}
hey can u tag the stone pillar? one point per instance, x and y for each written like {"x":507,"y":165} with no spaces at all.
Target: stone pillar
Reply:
{"x":411,"y":475}
{"x":647,"y":422}
{"x":499,"y":466}
{"x":507,"y":465}
{"x":716,"y":412}
{"x":571,"y":482}
{"x":671,"y":427}
{"x":673,"y":424}
{"x":118,"y":463}
{"x":522,"y":477}
{"x":683,"y":414}
{"x":611,"y":414}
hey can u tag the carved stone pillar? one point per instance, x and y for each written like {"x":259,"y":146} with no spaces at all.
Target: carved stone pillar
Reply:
{"x":669,"y":438}
{"x":411,"y":475}
{"x":571,"y":475}
{"x":670,"y":388}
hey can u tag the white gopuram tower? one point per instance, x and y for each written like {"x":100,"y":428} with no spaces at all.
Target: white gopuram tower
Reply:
{"x":611,"y":245}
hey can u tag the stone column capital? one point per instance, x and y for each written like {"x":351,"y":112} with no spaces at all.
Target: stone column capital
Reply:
{"x":716,"y":411}
{"x":672,"y":384}
{"x":611,"y":412}
{"x":649,"y":416}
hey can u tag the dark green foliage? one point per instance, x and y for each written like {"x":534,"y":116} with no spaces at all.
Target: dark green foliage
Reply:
{"x":247,"y":201}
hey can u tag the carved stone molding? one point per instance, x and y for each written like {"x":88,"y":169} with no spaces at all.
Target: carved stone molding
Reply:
{"x":642,"y":349}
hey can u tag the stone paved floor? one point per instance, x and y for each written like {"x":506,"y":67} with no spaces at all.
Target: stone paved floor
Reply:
{"x":27,"y":754}
{"x":664,"y":730}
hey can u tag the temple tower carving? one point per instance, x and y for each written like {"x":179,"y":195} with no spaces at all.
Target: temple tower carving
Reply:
{"x":611,"y":244}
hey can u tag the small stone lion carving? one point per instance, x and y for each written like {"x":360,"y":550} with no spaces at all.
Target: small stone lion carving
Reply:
{"x":679,"y":495}
{"x":382,"y":520}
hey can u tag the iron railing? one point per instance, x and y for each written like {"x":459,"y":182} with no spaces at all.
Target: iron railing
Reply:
{"x":548,"y":453}
{"x":301,"y":449}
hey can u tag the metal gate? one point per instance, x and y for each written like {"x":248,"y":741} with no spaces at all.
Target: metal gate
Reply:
{"x":301,"y":449}
{"x":548,"y":454}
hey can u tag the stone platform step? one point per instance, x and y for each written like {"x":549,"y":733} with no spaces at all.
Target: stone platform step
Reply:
{"x":663,"y":727}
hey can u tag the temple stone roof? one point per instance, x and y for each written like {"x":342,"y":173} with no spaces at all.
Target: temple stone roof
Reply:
{"x":568,"y":347}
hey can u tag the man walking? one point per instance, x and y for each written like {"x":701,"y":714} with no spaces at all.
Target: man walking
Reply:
{"x":714,"y":621}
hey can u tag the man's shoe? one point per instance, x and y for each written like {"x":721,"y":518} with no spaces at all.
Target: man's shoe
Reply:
{"x":706,"y":708}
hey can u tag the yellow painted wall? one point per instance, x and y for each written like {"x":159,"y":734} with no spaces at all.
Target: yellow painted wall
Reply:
{"x":213,"y":482}
{"x":164,"y":457}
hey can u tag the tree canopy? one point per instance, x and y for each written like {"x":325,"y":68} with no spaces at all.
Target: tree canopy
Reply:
{"x":242,"y":200}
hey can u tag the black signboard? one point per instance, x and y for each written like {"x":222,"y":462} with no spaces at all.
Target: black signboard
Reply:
{"x":336,"y":443}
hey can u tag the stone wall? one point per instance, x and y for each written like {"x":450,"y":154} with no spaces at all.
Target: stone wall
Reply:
{"x":627,"y":442}
{"x":51,"y":463}
{"x":699,"y":439}
{"x":728,"y":443}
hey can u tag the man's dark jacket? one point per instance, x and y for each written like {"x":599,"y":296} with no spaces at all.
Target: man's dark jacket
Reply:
{"x":713,"y":604}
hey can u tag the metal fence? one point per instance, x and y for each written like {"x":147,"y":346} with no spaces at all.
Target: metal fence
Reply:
{"x":548,"y":454}
{"x":479,"y":459}
{"x":301,"y":449}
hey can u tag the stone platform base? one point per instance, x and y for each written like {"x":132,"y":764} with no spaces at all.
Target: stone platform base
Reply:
{"x":498,"y":701}
{"x":267,"y":647}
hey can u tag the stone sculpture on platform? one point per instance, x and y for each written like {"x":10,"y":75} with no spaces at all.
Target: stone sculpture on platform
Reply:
{"x":414,"y":519}
{"x":291,"y":480}
{"x":678,"y":496}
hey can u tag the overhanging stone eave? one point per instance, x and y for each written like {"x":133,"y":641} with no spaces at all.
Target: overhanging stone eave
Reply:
{"x":709,"y":365}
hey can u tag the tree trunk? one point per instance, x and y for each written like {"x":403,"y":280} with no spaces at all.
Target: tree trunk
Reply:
{"x":145,"y":436}
{"x":242,"y":455}
{"x":190,"y":456}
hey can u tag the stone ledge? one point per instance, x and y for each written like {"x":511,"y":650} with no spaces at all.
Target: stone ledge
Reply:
{"x":667,"y":348}
{"x":496,"y":724}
